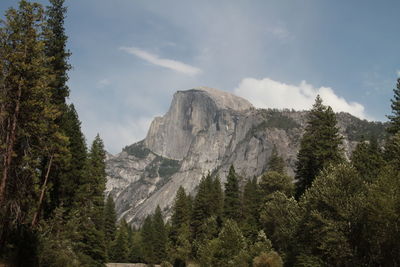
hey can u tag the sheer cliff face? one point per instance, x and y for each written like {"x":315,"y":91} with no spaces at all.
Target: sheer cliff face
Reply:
{"x":204,"y":130}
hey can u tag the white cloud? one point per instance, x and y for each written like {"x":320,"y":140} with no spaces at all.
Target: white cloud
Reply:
{"x":267,"y":93}
{"x":398,"y":73}
{"x":163,"y":62}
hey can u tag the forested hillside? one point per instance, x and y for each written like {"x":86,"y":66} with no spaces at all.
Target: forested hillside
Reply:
{"x":51,"y":187}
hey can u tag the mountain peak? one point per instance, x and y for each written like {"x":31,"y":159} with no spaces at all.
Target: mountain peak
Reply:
{"x":223,"y":99}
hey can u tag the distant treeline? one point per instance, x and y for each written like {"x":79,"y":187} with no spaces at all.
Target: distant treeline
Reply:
{"x":337,"y":212}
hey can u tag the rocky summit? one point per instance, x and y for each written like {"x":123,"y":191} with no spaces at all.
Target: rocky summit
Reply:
{"x":207,"y":130}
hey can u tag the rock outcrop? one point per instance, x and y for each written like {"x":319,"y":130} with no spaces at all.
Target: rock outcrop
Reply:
{"x":208,"y":130}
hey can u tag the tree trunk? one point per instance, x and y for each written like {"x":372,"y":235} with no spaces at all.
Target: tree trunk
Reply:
{"x":11,"y":137}
{"x":44,"y":188}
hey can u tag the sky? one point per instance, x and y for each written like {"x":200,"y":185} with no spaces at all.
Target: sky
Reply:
{"x":130,"y":56}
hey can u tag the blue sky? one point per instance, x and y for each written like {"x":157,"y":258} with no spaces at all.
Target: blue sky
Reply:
{"x":129,"y":57}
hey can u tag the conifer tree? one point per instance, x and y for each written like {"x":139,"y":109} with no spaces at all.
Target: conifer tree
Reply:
{"x":276,"y":162}
{"x":273,"y":181}
{"x":367,"y":158}
{"x":96,"y":180}
{"x":69,"y":177}
{"x":160,"y":236}
{"x":30,"y":140}
{"x":91,"y":199}
{"x":55,"y":49}
{"x":320,"y":145}
{"x":55,"y":46}
{"x":180,"y":215}
{"x":147,"y":237}
{"x":217,"y":198}
{"x":250,"y":208}
{"x":110,"y":220}
{"x":232,"y":196}
{"x":394,"y":125}
{"x":201,"y":206}
{"x":119,"y":250}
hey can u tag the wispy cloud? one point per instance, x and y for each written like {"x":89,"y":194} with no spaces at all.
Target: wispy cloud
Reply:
{"x":267,"y":93}
{"x":163,"y":62}
{"x":103,"y":83}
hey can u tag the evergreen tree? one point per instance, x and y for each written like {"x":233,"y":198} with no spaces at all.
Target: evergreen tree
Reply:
{"x":160,"y":236}
{"x":320,"y":146}
{"x":91,"y":198}
{"x":229,"y":249}
{"x":63,"y":171}
{"x":119,"y":250}
{"x":30,"y":140}
{"x":392,"y":151}
{"x":55,"y":47}
{"x":217,"y":198}
{"x":147,"y":237}
{"x":96,"y":180}
{"x":232,"y":196}
{"x":201,"y":206}
{"x":367,"y":159}
{"x":279,"y":217}
{"x":394,"y":125}
{"x":69,"y":176}
{"x":330,"y":229}
{"x":110,"y":220}
{"x":276,"y":162}
{"x":250,"y":209}
{"x":180,"y":215}
{"x":273,"y":181}
{"x":379,"y":243}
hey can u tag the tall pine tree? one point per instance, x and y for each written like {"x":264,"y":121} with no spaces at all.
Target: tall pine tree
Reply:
{"x":232,"y":196}
{"x":394,"y":124}
{"x":320,"y":145}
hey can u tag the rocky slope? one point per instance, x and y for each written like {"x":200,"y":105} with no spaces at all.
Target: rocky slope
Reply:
{"x":208,"y":130}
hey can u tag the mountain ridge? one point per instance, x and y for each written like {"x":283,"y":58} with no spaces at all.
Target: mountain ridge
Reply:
{"x":208,"y":130}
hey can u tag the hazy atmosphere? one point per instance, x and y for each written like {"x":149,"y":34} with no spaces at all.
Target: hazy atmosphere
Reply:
{"x":129,"y":57}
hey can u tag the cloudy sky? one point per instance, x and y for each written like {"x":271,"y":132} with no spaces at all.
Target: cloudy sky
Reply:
{"x":130,"y":56}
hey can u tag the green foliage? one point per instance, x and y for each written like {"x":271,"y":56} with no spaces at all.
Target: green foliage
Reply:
{"x":181,"y":214}
{"x":273,"y":181}
{"x":276,"y":162}
{"x":279,"y":217}
{"x":162,"y":167}
{"x":55,"y":46}
{"x":320,"y":146}
{"x":56,"y":243}
{"x":382,"y":220}
{"x":119,"y":249}
{"x":138,"y":150}
{"x":333,"y":216}
{"x":168,"y":167}
{"x":226,"y":250}
{"x":275,"y":119}
{"x":394,"y":124}
{"x":147,"y":237}
{"x":205,"y":205}
{"x":359,"y":130}
{"x":367,"y":158}
{"x":251,"y":201}
{"x":160,"y":236}
{"x":392,"y":151}
{"x":232,"y":196}
{"x":270,"y":259}
{"x":110,"y":220}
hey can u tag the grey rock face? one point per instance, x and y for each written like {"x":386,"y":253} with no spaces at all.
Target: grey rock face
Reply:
{"x":207,"y":130}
